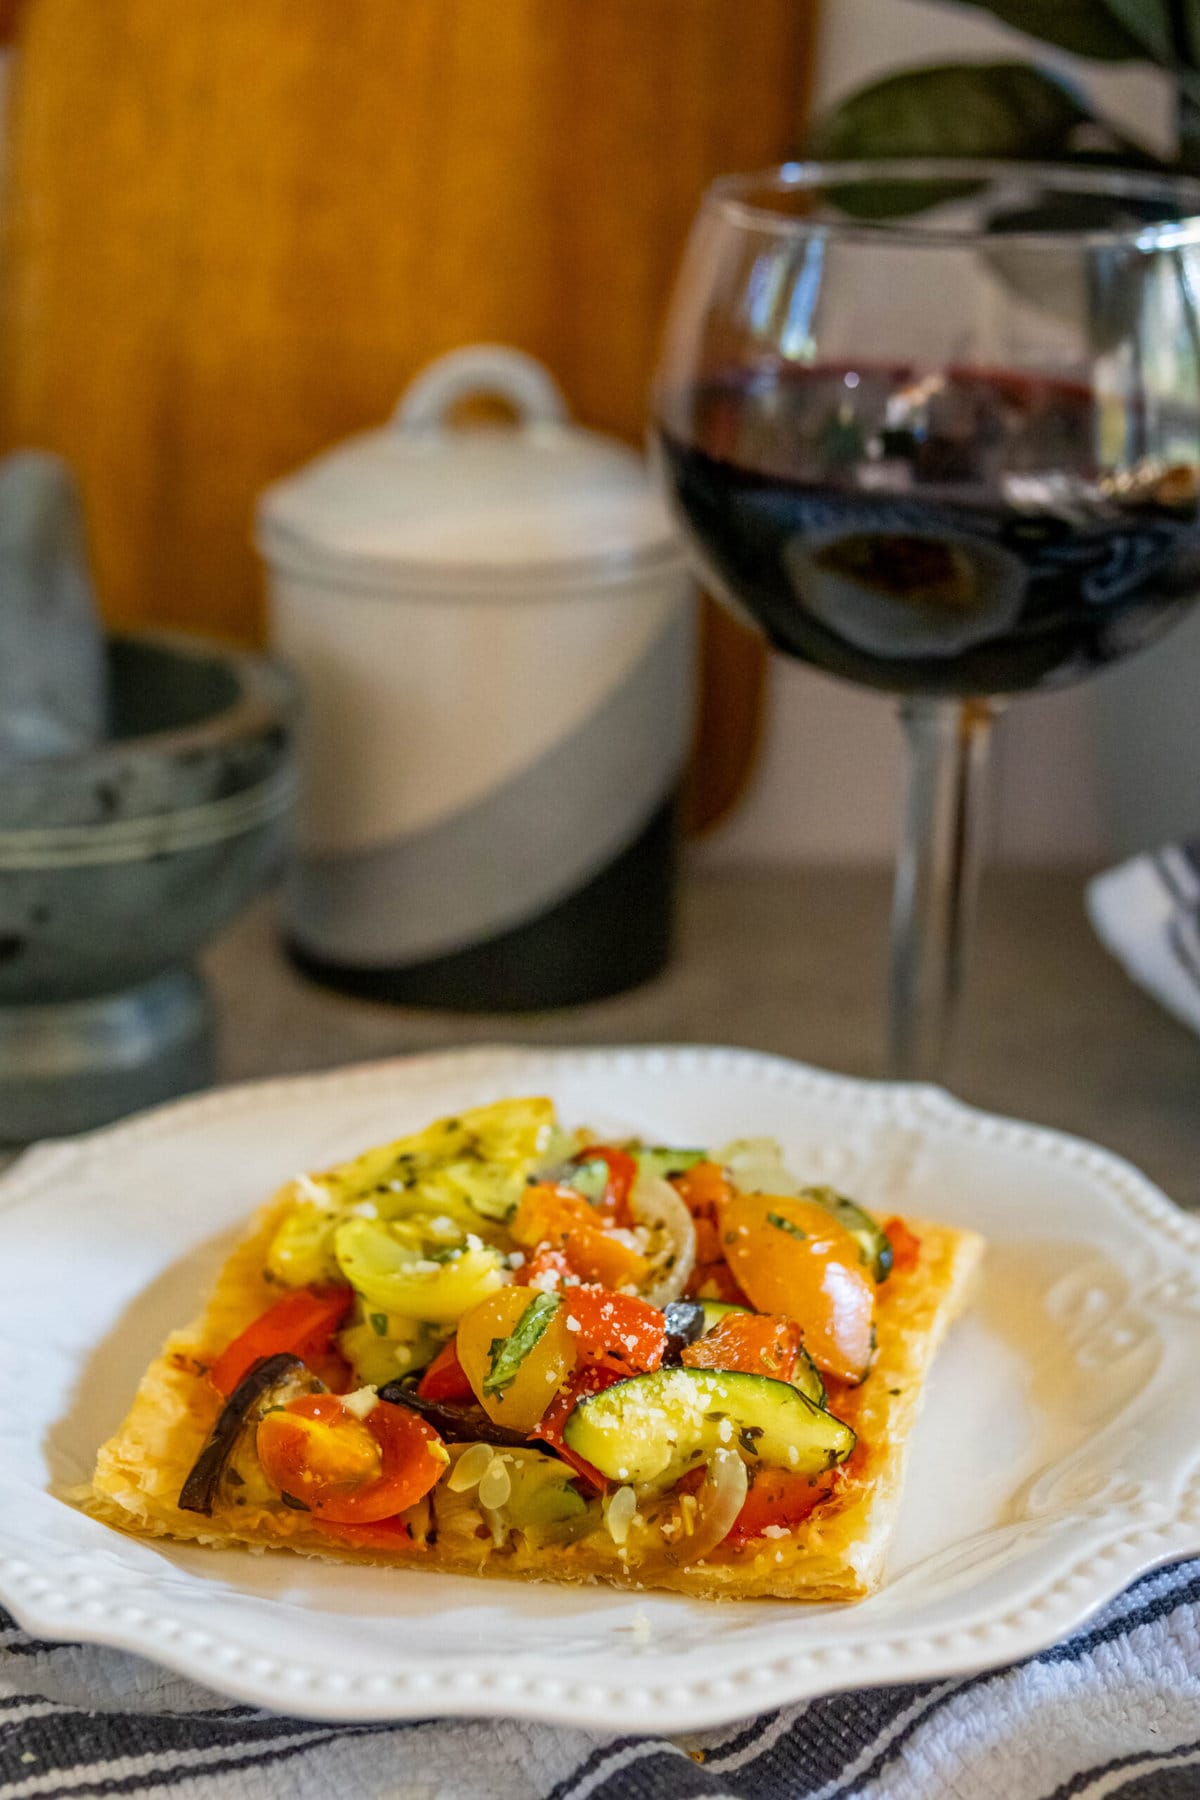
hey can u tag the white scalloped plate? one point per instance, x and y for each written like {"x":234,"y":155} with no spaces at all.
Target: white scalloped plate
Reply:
{"x":1058,"y":1455}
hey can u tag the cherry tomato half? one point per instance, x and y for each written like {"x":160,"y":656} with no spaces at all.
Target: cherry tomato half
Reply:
{"x":793,"y":1257}
{"x":346,"y":1470}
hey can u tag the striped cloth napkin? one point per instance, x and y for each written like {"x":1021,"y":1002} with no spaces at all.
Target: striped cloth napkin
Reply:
{"x":1112,"y":1713}
{"x":1147,"y":912}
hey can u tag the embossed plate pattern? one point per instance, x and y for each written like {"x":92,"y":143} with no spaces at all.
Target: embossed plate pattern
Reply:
{"x":1058,"y":1455}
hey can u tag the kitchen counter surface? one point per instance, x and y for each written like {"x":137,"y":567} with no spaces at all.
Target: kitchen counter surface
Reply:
{"x":794,"y":962}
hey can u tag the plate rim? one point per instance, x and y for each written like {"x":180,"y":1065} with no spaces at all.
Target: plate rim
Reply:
{"x":290,"y":1684}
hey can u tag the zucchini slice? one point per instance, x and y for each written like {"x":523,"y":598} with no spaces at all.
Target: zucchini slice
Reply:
{"x":652,"y":1160}
{"x":715,"y":1310}
{"x":655,"y":1427}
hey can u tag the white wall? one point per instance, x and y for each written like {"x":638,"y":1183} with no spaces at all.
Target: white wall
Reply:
{"x":827,"y":783}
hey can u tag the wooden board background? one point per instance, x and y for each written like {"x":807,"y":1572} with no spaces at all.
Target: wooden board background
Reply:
{"x":235,"y":228}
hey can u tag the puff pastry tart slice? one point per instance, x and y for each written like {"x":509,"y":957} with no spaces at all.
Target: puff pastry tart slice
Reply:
{"x":503,"y":1347}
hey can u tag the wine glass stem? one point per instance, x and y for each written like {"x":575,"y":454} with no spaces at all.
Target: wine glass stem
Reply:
{"x":936,"y":878}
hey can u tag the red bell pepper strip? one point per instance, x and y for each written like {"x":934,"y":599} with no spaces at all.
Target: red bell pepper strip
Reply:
{"x":592,"y":1380}
{"x":618,"y":1331}
{"x":385,"y":1535}
{"x":301,"y":1323}
{"x":444,"y":1378}
{"x":780,"y":1497}
{"x":622,"y":1173}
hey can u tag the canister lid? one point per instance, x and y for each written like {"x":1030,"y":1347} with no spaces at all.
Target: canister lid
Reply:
{"x":424,"y":504}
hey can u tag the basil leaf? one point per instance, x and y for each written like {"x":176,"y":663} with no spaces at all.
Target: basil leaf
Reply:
{"x":1149,"y":22}
{"x":788,"y":1225}
{"x":379,"y":1324}
{"x":952,"y":109}
{"x":509,"y":1353}
{"x":1087,"y":27}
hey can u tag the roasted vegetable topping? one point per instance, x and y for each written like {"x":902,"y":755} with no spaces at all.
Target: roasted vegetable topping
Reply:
{"x":199,"y":1491}
{"x":516,"y":1351}
{"x":816,"y":1277}
{"x":653,"y":1428}
{"x":457,"y":1421}
{"x":348,"y":1470}
{"x":301,"y":1324}
{"x":535,"y":1277}
{"x":508,"y":1354}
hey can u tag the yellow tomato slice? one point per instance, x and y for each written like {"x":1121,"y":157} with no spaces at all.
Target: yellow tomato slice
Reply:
{"x":543,"y":1368}
{"x":791,"y":1256}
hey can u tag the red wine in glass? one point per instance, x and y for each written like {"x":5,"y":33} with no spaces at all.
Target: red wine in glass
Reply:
{"x":946,"y":534}
{"x":934,"y":426}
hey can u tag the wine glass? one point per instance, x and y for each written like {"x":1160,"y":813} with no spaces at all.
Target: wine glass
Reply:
{"x":934,"y":427}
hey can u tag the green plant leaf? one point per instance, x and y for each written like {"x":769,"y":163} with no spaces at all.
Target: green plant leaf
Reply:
{"x":1189,"y":24}
{"x":1149,"y":23}
{"x":954,"y":109}
{"x":1087,"y":27}
{"x":1169,"y":31}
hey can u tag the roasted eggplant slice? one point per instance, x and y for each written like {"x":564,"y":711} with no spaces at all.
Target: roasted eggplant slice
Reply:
{"x":458,"y":1421}
{"x":686,"y":1321}
{"x":199,"y":1491}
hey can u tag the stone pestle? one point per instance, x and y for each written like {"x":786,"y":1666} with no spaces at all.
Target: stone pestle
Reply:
{"x":52,"y":660}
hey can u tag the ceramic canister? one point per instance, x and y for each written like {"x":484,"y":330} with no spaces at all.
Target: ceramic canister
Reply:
{"x":496,"y":635}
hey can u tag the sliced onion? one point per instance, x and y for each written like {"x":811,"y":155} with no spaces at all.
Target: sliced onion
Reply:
{"x":655,"y":1204}
{"x":718,"y":1504}
{"x":757,"y":1167}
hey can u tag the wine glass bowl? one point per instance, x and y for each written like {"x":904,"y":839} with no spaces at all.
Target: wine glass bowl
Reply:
{"x":935,"y":428}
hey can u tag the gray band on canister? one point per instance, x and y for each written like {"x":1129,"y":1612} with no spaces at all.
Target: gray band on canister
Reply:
{"x":507,"y":858}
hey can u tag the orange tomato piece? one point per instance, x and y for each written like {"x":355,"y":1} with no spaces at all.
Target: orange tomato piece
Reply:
{"x":906,"y":1246}
{"x":346,"y":1470}
{"x":561,"y":1220}
{"x":758,"y":1343}
{"x":704,"y":1189}
{"x":792,"y":1257}
{"x":547,"y":1361}
{"x":547,"y":1269}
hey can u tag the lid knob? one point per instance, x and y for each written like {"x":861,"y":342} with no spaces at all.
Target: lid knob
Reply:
{"x":521,"y":380}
